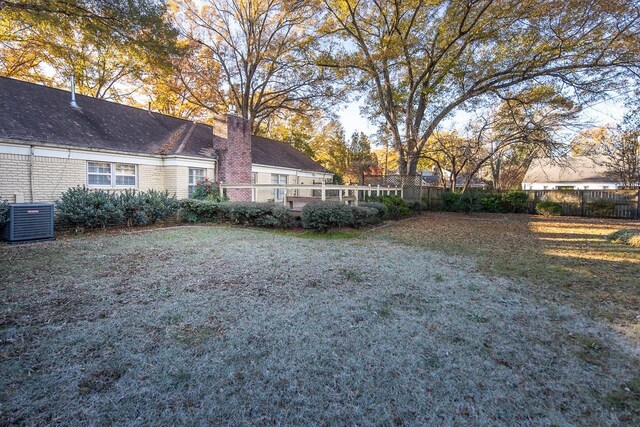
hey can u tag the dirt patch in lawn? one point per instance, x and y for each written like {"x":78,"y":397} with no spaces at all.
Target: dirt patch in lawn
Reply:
{"x":222,"y":325}
{"x":564,"y":259}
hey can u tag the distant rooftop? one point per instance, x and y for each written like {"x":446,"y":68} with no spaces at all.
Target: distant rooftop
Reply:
{"x":569,"y":170}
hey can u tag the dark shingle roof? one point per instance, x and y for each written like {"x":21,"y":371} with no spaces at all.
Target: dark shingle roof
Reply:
{"x":570,"y":170}
{"x":30,"y":112}
{"x":275,"y":153}
{"x":35,"y":113}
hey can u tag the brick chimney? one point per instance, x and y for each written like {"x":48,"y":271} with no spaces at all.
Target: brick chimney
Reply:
{"x":232,"y":141}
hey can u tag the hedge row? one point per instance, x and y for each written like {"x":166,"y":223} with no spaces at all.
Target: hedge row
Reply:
{"x":323,"y":216}
{"x":477,"y":201}
{"x":248,"y":213}
{"x":319,"y":216}
{"x":80,"y":207}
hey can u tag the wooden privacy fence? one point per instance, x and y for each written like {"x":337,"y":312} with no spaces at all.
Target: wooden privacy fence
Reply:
{"x":588,"y":203}
{"x":591,"y":203}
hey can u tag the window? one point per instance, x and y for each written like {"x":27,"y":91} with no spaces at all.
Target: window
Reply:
{"x":125,"y":174}
{"x":99,"y":173}
{"x":195,"y":176}
{"x":102,"y":174}
{"x":278,"y":193}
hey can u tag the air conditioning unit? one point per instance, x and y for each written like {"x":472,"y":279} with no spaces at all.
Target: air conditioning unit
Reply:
{"x":29,"y":222}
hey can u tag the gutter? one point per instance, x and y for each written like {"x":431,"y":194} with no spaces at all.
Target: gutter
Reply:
{"x":31,"y":155}
{"x":24,"y":143}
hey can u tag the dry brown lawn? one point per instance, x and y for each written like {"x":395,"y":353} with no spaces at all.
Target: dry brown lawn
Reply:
{"x":565,"y":259}
{"x":229,"y":326}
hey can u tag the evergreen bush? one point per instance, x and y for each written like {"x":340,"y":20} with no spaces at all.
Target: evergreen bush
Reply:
{"x":159,"y":205}
{"x":4,"y":213}
{"x":363,"y":215}
{"x":396,"y":206}
{"x":80,"y":208}
{"x":549,"y":208}
{"x":380,"y":208}
{"x":323,"y":216}
{"x":207,"y":190}
{"x":256,"y":214}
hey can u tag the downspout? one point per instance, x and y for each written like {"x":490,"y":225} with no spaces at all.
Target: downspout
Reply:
{"x":31,"y":154}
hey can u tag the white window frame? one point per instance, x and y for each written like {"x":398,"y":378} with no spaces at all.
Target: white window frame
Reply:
{"x":278,"y":193}
{"x":113,"y":175}
{"x":193,"y":182}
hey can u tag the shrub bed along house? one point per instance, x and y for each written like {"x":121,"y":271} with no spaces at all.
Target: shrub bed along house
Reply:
{"x":207,"y":190}
{"x":82,"y":208}
{"x":192,"y":210}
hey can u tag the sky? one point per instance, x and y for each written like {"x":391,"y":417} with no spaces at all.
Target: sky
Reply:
{"x":603,"y":113}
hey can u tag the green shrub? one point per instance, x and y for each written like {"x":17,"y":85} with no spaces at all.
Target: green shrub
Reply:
{"x":624,"y":236}
{"x":493,"y":202}
{"x":380,"y":208}
{"x":158,"y":205}
{"x":192,"y":210}
{"x":363,"y":215}
{"x":415,"y":205}
{"x":80,"y":207}
{"x":516,"y":201}
{"x":131,"y":206}
{"x":207,"y":190}
{"x":602,"y":208}
{"x":549,"y":208}
{"x":255,"y":214}
{"x":4,"y":213}
{"x":323,"y":216}
{"x":396,"y":206}
{"x":460,"y":202}
{"x":510,"y":202}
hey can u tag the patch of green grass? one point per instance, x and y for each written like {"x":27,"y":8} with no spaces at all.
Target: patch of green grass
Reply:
{"x":624,"y":235}
{"x":353,"y":275}
{"x":327,"y":236}
{"x":384,"y":311}
{"x":591,"y":350}
{"x":438,"y":278}
{"x":627,"y":398}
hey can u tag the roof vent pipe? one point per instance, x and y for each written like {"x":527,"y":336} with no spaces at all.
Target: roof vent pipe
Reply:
{"x":74,"y":104}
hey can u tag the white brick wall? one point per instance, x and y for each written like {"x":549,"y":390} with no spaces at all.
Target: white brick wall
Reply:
{"x":52,"y":176}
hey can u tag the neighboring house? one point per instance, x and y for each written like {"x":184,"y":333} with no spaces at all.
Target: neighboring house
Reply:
{"x":572,"y":173}
{"x":47,"y":145}
{"x":432,"y":179}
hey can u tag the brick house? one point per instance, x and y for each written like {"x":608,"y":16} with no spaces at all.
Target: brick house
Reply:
{"x":47,"y":146}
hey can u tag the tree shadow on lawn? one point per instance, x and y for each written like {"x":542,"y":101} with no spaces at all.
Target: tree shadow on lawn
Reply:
{"x":563,"y":258}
